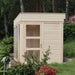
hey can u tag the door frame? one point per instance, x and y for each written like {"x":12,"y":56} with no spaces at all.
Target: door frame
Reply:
{"x":39,"y":37}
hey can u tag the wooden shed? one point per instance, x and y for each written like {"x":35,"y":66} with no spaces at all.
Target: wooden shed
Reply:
{"x":35,"y":32}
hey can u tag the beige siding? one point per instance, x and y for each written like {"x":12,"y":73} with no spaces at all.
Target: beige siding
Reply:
{"x":53,"y":39}
{"x":22,"y":41}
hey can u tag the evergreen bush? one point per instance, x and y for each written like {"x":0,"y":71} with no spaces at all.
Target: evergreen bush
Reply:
{"x":6,"y":47}
{"x":69,"y":32}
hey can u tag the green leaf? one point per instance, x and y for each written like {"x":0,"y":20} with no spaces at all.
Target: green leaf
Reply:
{"x":5,"y":2}
{"x":2,"y":10}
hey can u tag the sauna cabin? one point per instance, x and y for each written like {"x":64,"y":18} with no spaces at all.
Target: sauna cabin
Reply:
{"x":34,"y":33}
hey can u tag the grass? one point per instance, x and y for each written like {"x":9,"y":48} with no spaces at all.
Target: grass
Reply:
{"x":65,"y":68}
{"x":69,"y":49}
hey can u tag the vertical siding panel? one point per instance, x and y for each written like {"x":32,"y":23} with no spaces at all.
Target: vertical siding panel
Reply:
{"x":53,"y":38}
{"x":22,"y":42}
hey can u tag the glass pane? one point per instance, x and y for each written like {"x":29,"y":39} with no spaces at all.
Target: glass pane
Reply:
{"x":33,"y":52}
{"x":33,"y":43}
{"x":32,"y":30}
{"x":16,"y":42}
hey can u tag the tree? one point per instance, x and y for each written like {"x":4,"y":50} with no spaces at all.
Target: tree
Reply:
{"x":67,"y":10}
{"x":43,"y":5}
{"x":71,"y":7}
{"x":5,"y":25}
{"x":54,"y":5}
{"x":11,"y":8}
{"x":5,"y":5}
{"x":3,"y":12}
{"x":21,"y":6}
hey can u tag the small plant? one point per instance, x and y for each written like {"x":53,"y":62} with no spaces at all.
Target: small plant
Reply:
{"x":46,"y":57}
{"x":34,"y":63}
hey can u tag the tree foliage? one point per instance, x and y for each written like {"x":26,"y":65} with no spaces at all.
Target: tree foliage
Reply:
{"x":12,"y":9}
{"x":69,"y":32}
{"x":6,"y":47}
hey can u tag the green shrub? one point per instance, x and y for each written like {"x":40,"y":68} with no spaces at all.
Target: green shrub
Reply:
{"x":69,"y":49}
{"x":69,"y":40}
{"x":6,"y":47}
{"x":69,"y":32}
{"x":18,"y":69}
{"x":46,"y":57}
{"x":22,"y":69}
{"x":34,"y":62}
{"x":1,"y":73}
{"x":32,"y":65}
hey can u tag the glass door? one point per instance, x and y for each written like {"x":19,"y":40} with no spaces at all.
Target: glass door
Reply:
{"x":33,"y":39}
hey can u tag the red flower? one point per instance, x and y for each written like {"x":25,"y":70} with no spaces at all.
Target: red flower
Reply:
{"x":46,"y":70}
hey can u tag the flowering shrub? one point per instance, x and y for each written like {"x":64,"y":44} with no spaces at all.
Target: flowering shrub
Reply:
{"x":46,"y":70}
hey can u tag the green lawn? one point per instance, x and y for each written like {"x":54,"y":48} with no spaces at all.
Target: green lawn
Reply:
{"x":65,"y":68}
{"x":69,"y":49}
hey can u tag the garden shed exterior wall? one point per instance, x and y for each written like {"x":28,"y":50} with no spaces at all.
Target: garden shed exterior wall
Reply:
{"x":51,"y":34}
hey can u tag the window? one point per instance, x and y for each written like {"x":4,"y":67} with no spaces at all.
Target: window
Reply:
{"x":33,"y":40}
{"x":32,"y":30}
{"x":33,"y":43}
{"x":32,"y":52}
